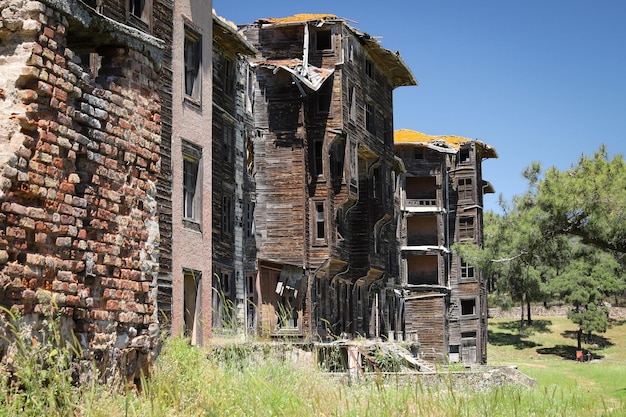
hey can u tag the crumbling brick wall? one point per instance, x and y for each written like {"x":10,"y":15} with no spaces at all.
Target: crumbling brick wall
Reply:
{"x":79,"y":158}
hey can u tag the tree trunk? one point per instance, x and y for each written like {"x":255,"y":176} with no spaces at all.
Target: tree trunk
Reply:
{"x":530,"y":320}
{"x":521,"y":321}
{"x":580,"y":339}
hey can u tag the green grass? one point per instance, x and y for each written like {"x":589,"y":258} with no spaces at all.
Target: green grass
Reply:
{"x":187,"y":381}
{"x":546,"y":351}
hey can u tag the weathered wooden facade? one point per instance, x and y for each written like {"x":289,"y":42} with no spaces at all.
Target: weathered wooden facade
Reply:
{"x":324,"y":169}
{"x":234,"y":249}
{"x":440,"y":192}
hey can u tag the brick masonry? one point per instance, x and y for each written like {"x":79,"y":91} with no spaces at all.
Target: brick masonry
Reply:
{"x":79,"y":158}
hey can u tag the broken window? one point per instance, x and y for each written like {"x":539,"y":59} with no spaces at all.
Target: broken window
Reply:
{"x":465,"y":189}
{"x":323,"y":98}
{"x":229,"y":77}
{"x":354,"y":167}
{"x":467,"y":271}
{"x":324,"y":40}
{"x":318,"y":150}
{"x":320,"y":223}
{"x":464,"y":156}
{"x":352,"y":103}
{"x":192,"y":57}
{"x":466,"y":227}
{"x":468,"y":307}
{"x":139,"y":14}
{"x":351,"y":51}
{"x":223,"y":310}
{"x":192,"y":155}
{"x":250,"y":219}
{"x":228,"y":142}
{"x":376,"y":183}
{"x":369,"y":68}
{"x":337,"y":157}
{"x":370,"y":117}
{"x":227,"y":214}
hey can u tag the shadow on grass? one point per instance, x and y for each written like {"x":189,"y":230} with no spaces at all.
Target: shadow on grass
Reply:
{"x":593,"y":339}
{"x":617,"y":322}
{"x":565,"y":352}
{"x":537,"y":326}
{"x":506,"y":339}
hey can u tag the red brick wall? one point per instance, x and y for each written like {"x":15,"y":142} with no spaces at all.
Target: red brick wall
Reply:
{"x":78,"y":168}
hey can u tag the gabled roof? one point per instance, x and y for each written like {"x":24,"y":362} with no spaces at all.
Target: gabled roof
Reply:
{"x":388,"y":61}
{"x":446,"y":144}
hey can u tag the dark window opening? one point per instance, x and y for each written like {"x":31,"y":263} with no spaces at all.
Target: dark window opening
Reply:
{"x":319,"y":157}
{"x":192,"y":57}
{"x":369,"y":68}
{"x":190,"y":182}
{"x":370,"y":117}
{"x":323,"y":40}
{"x":468,"y":307}
{"x":464,"y":156}
{"x":323,"y":97}
{"x":227,"y":217}
{"x":229,"y":75}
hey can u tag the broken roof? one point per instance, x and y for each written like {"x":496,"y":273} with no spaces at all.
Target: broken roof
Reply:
{"x":446,"y":144}
{"x":226,"y":32}
{"x":388,"y":61}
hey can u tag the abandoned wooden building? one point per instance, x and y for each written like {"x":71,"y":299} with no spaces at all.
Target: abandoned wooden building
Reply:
{"x":441,"y":192}
{"x":324,"y":171}
{"x":161,"y":168}
{"x":234,"y":249}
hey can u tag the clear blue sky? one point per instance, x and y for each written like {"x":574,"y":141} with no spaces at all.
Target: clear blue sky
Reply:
{"x":540,"y":80}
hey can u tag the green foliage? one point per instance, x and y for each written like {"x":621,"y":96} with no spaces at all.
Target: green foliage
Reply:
{"x":39,"y":369}
{"x":588,"y":200}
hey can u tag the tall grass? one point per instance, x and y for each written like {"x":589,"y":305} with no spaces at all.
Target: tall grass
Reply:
{"x":245,"y":380}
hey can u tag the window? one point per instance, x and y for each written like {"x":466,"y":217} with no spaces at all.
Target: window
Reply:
{"x":139,"y":13}
{"x":370,"y":117}
{"x":228,"y":142}
{"x":229,"y":76}
{"x":192,"y":64}
{"x":352,"y":102}
{"x":467,"y":271}
{"x":468,"y":307}
{"x":318,"y":150}
{"x":388,"y":132}
{"x":466,"y":228}
{"x":323,"y":98}
{"x":191,"y":194}
{"x":250,"y":220}
{"x":227,"y":214}
{"x":465,"y":189}
{"x":354,"y":166}
{"x":464,"y":156}
{"x":350,"y":50}
{"x":320,"y":222}
{"x":324,"y":40}
{"x":376,"y":184}
{"x":369,"y":68}
{"x":418,"y":153}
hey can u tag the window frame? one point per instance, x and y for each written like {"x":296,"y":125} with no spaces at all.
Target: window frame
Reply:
{"x":327,"y":35}
{"x":465,"y":189}
{"x":474,"y":307}
{"x":467,"y":272}
{"x":192,"y":64}
{"x":320,"y":224}
{"x":370,"y":117}
{"x":192,"y":204}
{"x":467,"y":228}
{"x":142,"y":19}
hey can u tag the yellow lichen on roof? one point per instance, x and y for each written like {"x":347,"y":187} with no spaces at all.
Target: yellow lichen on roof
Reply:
{"x":300,"y":18}
{"x":412,"y":136}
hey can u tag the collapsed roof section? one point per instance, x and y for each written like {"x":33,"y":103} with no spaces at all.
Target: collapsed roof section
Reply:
{"x":445,"y":144}
{"x":389,"y":62}
{"x":226,"y":33}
